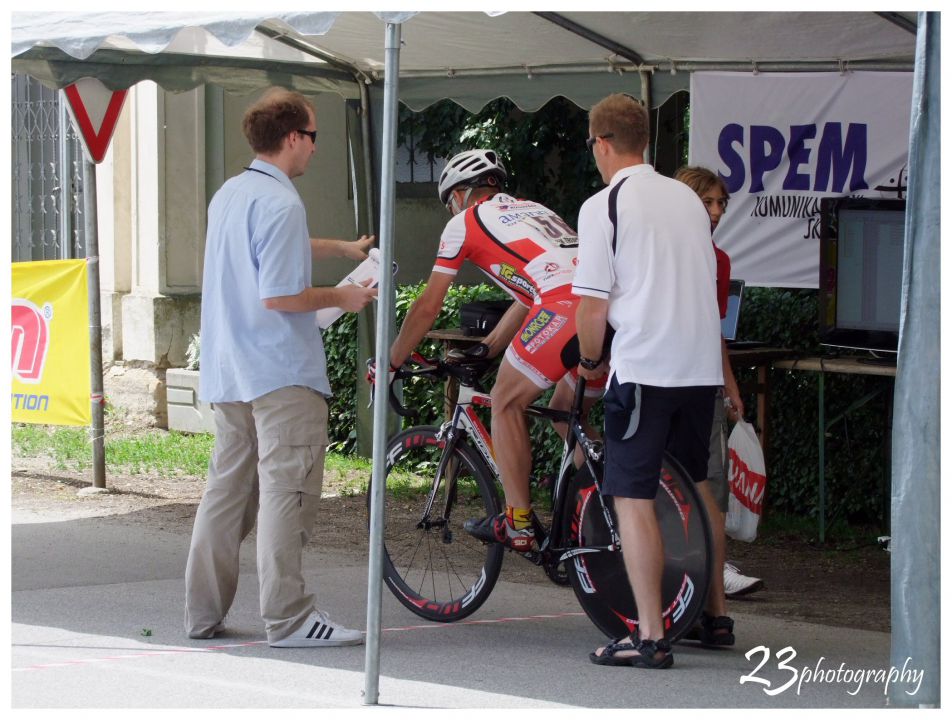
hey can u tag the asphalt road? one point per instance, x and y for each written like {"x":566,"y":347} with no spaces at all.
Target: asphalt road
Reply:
{"x":97,"y":608}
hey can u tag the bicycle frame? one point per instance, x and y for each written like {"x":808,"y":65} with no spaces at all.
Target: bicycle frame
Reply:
{"x":580,"y":545}
{"x":465,"y":421}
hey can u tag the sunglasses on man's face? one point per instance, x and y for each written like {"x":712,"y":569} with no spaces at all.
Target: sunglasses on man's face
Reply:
{"x":311,"y":134}
{"x":590,"y":142}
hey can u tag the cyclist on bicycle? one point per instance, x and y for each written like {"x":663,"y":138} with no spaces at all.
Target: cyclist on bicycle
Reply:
{"x":530,"y":252}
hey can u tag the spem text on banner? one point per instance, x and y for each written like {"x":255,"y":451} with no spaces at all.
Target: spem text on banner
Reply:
{"x":783,"y":141}
{"x":50,"y":343}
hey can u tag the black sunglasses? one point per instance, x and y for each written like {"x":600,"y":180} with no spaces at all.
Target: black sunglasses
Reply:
{"x":590,"y":142}
{"x":311,"y":134}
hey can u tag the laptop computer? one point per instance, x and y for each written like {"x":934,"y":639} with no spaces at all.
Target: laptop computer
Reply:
{"x":731,"y":320}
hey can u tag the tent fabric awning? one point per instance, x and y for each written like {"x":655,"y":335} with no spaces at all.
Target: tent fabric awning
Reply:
{"x":469,"y":57}
{"x":177,"y":72}
{"x":80,"y":34}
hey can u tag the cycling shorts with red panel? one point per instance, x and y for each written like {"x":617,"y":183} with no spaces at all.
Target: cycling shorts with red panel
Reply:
{"x":546,"y":346}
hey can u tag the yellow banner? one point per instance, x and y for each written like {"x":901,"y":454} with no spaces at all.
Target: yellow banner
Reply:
{"x":50,"y":340}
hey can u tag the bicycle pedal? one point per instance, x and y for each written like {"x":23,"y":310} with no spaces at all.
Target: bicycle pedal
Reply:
{"x":533,"y":556}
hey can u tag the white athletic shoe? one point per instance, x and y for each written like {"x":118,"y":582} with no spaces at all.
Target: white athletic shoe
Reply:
{"x":736,"y":584}
{"x":319,"y":631}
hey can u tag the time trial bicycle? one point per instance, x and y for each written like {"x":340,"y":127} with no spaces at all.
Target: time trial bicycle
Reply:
{"x":438,"y":477}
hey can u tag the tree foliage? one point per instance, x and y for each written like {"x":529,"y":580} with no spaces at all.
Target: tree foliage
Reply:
{"x":544,"y":151}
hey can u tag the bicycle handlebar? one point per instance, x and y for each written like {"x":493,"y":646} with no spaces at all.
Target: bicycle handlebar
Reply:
{"x":467,"y":372}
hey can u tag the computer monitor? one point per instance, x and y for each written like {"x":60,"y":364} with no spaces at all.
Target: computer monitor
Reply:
{"x":861,"y":257}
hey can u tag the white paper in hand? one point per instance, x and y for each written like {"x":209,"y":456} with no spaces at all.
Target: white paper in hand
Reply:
{"x":369,"y":269}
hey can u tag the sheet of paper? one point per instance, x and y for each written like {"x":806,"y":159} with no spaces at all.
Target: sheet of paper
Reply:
{"x":369,"y":269}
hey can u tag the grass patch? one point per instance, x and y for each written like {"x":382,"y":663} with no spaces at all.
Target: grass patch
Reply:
{"x":66,"y":446}
{"x":171,"y":453}
{"x":346,"y":475}
{"x":160,"y":451}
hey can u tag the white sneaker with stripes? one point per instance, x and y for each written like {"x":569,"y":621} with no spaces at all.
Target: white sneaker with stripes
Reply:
{"x":736,"y":584}
{"x":319,"y":631}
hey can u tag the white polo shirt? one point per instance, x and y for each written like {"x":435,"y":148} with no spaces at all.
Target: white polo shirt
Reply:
{"x":660,"y":279}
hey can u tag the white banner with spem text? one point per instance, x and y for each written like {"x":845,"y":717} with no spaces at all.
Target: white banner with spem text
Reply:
{"x":782,"y":141}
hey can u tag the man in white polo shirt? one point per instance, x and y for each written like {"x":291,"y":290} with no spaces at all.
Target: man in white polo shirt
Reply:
{"x":646,"y":267}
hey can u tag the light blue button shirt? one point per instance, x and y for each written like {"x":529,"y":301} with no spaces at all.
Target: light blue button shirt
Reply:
{"x":257,"y":247}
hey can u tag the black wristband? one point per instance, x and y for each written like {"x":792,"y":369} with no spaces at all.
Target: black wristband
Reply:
{"x":589,"y":364}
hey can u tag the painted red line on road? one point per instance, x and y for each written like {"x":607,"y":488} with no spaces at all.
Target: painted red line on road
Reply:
{"x":492,"y":621}
{"x":218,"y":648}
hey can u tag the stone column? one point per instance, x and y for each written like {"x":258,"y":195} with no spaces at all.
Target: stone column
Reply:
{"x":158,"y":216}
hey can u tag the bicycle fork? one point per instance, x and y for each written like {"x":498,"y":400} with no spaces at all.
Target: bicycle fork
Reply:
{"x":594,"y":454}
{"x":446,"y":470}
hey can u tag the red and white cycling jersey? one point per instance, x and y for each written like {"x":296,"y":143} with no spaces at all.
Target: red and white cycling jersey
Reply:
{"x":525,"y":248}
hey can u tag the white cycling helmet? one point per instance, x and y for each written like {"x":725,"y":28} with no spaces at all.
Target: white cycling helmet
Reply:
{"x":468,"y":168}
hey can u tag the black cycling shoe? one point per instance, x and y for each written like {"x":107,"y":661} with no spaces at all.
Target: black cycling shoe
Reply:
{"x":496,"y":529}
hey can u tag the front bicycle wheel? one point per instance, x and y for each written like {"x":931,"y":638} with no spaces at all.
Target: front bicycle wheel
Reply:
{"x":431,"y":564}
{"x":599,"y":578}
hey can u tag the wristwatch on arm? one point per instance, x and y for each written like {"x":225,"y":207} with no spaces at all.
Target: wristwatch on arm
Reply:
{"x":589,"y":364}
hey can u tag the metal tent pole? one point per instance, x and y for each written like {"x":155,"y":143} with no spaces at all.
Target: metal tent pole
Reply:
{"x":385,"y":309}
{"x":65,"y":189}
{"x":96,"y":397}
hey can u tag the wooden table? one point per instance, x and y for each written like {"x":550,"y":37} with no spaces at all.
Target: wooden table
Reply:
{"x":848,"y":366}
{"x":454,"y":337}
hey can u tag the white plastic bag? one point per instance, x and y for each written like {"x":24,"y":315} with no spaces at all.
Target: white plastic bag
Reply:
{"x":748,"y":481}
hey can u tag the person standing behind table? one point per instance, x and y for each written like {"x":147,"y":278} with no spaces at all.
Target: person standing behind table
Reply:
{"x":263,"y":368}
{"x":715,"y":627}
{"x":647,"y":268}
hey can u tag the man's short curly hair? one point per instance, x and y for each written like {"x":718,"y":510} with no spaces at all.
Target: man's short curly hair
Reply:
{"x":272,"y":117}
{"x":625,"y":118}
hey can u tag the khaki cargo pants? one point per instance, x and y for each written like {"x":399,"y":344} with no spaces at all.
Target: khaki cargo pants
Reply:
{"x":268,"y":463}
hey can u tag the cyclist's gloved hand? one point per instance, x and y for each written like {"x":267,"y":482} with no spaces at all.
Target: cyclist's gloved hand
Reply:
{"x":372,"y":377}
{"x":372,"y":371}
{"x":418,"y":360}
{"x":473,"y":352}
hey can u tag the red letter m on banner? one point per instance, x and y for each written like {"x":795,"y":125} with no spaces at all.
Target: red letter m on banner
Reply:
{"x":30,"y":339}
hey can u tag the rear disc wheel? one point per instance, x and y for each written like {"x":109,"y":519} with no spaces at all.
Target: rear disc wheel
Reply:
{"x":599,"y":578}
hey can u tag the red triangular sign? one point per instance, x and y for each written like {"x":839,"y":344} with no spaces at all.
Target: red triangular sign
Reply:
{"x":95,"y":110}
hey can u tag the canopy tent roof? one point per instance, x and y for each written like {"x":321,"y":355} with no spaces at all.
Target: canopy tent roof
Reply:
{"x":470,"y":57}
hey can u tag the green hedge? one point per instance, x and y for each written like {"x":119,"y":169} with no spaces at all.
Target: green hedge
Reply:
{"x":856,"y":464}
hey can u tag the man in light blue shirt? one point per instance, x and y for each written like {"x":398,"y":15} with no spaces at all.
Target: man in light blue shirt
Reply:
{"x":263,"y":368}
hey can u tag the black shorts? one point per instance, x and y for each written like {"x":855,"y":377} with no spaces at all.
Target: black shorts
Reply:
{"x":641,"y":422}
